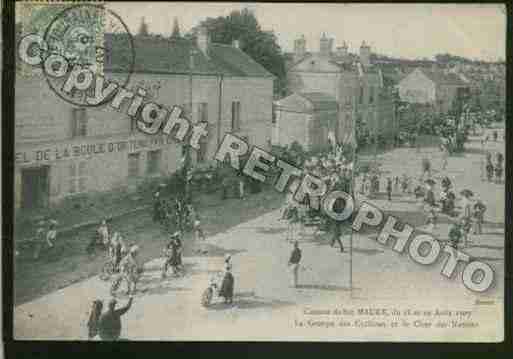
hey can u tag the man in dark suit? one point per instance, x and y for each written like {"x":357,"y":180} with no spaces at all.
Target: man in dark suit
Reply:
{"x":109,"y":326}
{"x":295,"y":258}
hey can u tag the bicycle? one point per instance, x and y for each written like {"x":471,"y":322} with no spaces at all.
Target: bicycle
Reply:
{"x":133,"y":278}
{"x":108,"y":269}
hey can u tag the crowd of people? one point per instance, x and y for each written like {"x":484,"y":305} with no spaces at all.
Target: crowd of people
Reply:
{"x":179,"y":215}
{"x":128,"y":269}
{"x":121,"y":256}
{"x":336,"y":171}
{"x":466,"y":211}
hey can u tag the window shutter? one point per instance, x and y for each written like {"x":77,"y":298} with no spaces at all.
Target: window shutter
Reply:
{"x":233,"y":116}
{"x":237,"y":116}
{"x":83,"y":122}
{"x":72,"y":170}
{"x":204,"y":112}
{"x":73,"y":122}
{"x":186,"y":108}
{"x":82,"y":181}
{"x":82,"y":169}
{"x":72,"y":178}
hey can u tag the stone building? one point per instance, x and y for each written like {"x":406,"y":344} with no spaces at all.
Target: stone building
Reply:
{"x":353,"y":80}
{"x":309,"y":119}
{"x":62,"y":151}
{"x":435,"y":87}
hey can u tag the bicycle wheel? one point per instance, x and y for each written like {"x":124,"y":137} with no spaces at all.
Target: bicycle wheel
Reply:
{"x":115,"y":285}
{"x":107,"y":271}
{"x":206,"y":297}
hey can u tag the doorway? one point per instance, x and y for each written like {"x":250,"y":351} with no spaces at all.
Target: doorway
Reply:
{"x":35,"y":187}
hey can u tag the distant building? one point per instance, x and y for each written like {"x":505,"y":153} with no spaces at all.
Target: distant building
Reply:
{"x":354,"y":81}
{"x":307,"y":118}
{"x":63,"y":151}
{"x":487,"y":84}
{"x":438,"y":88}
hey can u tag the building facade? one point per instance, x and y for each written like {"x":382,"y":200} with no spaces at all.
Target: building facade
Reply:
{"x":62,"y":151}
{"x":354,"y":81}
{"x":309,"y":119}
{"x":438,"y":88}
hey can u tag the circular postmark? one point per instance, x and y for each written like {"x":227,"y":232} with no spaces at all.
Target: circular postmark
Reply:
{"x":91,"y":41}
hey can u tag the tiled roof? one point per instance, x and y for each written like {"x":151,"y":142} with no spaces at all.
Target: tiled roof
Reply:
{"x":308,"y":101}
{"x":231,"y":60}
{"x":172,"y":55}
{"x":346,"y":63}
{"x":320,"y":100}
{"x":292,"y":61}
{"x":442,"y":78}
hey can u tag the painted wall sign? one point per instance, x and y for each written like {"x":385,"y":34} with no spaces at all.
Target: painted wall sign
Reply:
{"x":87,"y":150}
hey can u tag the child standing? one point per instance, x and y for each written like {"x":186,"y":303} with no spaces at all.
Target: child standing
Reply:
{"x":199,"y":236}
{"x":389,"y":188}
{"x":431,"y":220}
{"x":455,"y":235}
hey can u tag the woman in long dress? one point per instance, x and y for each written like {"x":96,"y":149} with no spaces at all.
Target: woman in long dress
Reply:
{"x":227,"y":285}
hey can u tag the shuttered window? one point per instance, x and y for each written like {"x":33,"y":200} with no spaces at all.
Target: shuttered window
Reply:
{"x":77,"y":177}
{"x":154,"y":161}
{"x":203,"y":111}
{"x":235,"y":116}
{"x":202,"y":152}
{"x":133,"y":165}
{"x":78,"y":122}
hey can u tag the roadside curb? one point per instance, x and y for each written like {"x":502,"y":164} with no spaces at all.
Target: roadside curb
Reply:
{"x":75,"y":227}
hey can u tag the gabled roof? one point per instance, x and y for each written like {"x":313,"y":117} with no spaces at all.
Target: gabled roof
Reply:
{"x":172,"y":55}
{"x":320,"y":100}
{"x":293,"y":62}
{"x":345,"y":63}
{"x":231,"y":60}
{"x":441,"y":78}
{"x":308,"y":102}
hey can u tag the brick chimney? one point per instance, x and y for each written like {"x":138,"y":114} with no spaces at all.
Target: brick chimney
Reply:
{"x":202,"y":39}
{"x":300,"y":47}
{"x":325,"y":45}
{"x":342,"y":50}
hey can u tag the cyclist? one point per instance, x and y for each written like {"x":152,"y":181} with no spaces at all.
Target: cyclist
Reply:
{"x":129,"y":271}
{"x":115,"y":250}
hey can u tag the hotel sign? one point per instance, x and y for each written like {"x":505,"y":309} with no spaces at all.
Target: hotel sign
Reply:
{"x":51,"y":153}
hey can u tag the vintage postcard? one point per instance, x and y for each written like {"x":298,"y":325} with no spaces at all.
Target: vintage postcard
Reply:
{"x":220,"y":171}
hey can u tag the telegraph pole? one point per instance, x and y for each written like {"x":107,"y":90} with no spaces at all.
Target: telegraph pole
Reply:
{"x":187,"y":162}
{"x":355,"y":143}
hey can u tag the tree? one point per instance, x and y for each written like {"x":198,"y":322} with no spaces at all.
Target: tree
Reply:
{"x":176,"y":29}
{"x":261,"y":45}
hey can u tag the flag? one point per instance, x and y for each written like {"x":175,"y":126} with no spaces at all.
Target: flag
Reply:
{"x":331,"y":139}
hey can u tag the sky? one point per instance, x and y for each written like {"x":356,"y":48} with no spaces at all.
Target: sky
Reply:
{"x":476,"y":31}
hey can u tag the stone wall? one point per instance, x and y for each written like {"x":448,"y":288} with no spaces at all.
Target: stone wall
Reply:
{"x":43,"y":130}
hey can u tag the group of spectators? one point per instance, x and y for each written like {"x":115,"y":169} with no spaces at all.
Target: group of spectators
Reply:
{"x":177,"y":215}
{"x":336,"y":171}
